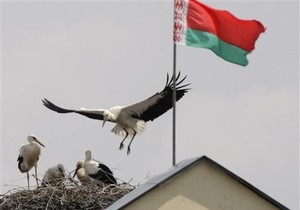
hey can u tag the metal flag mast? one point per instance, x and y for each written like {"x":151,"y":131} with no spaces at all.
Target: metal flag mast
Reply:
{"x":174,"y":93}
{"x":174,"y":105}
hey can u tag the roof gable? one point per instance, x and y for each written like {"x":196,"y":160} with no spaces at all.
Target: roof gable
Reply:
{"x":182,"y":166}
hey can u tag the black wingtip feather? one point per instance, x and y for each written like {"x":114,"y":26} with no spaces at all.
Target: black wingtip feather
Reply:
{"x":167,"y":80}
{"x":60,"y":110}
{"x":166,"y":101}
{"x":170,"y":83}
{"x":55,"y":108}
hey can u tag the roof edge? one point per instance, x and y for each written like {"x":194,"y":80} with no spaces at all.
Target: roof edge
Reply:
{"x":194,"y":161}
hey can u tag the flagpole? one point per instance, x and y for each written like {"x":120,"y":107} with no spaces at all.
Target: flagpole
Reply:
{"x":174,"y":105}
{"x":174,"y":93}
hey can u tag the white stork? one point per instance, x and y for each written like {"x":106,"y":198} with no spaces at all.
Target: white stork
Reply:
{"x":29,"y":156}
{"x":82,"y":176}
{"x":54,"y":175}
{"x":98,"y":170}
{"x":131,"y":120}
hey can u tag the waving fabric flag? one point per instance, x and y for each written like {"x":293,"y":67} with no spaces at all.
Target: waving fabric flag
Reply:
{"x":230,"y":38}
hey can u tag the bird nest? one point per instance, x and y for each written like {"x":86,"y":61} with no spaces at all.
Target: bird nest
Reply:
{"x":96,"y":196}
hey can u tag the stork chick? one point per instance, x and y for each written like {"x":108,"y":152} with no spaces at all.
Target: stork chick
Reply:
{"x":54,"y":175}
{"x":82,"y":176}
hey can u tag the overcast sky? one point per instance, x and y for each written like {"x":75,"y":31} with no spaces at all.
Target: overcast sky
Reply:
{"x":105,"y":53}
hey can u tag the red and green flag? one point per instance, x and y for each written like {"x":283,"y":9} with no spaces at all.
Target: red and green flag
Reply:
{"x":230,"y":38}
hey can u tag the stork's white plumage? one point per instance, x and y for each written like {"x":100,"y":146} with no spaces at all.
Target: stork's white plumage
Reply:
{"x":98,"y":170}
{"x":131,"y":120}
{"x":29,"y":156}
{"x":82,"y":176}
{"x":54,"y":175}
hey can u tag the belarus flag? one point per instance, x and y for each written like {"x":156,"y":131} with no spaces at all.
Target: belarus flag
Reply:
{"x":230,"y":38}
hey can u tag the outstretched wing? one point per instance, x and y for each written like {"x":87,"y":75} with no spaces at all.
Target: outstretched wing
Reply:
{"x":159,"y":103}
{"x":96,"y":114}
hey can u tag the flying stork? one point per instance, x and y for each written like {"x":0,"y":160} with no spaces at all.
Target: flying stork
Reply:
{"x":131,"y":120}
{"x":98,"y":170}
{"x":54,"y":175}
{"x":29,"y":156}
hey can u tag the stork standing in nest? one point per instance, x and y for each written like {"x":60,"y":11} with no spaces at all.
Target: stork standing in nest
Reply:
{"x":29,"y":156}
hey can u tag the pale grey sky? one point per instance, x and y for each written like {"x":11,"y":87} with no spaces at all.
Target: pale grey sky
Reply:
{"x":99,"y":54}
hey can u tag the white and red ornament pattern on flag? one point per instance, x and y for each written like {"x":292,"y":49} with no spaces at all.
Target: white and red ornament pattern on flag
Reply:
{"x":180,"y":21}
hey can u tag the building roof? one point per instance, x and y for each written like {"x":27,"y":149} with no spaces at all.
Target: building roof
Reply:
{"x":176,"y":170}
